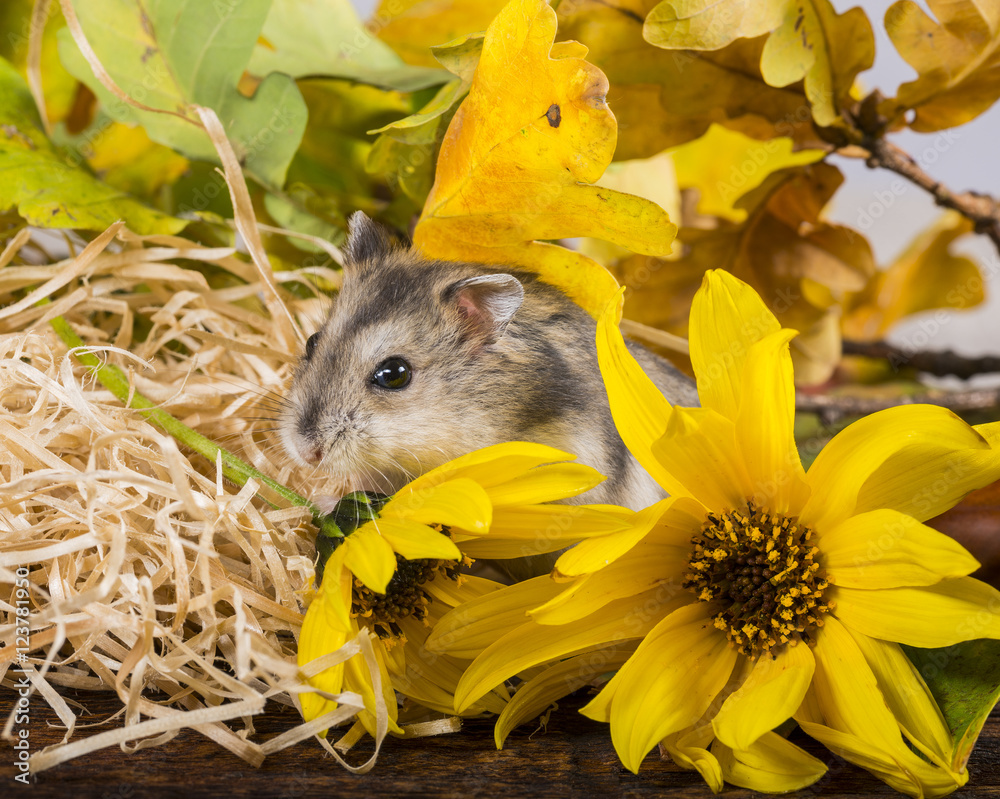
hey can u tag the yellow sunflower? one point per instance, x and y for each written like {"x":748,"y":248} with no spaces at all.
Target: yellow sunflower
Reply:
{"x":396,"y":574}
{"x":756,"y":593}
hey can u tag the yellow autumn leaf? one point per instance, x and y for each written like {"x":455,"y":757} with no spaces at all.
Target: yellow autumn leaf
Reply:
{"x":653,"y":178}
{"x":126,"y":158}
{"x":701,"y":25}
{"x":406,"y":148}
{"x":806,"y":41}
{"x":925,"y":277}
{"x":800,"y":264}
{"x":956,"y":58}
{"x":518,"y":155}
{"x":666,"y":97}
{"x":825,"y":49}
{"x":60,"y":89}
{"x":413,"y":27}
{"x":723,"y":165}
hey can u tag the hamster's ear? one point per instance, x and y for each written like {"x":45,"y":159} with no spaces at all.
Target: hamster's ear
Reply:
{"x":366,"y":240}
{"x":486,"y":303}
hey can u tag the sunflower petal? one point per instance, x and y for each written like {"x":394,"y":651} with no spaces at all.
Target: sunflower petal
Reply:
{"x":727,"y":319}
{"x":912,"y":776}
{"x":459,"y":503}
{"x":670,"y":681}
{"x":546,"y":483}
{"x":925,"y":487}
{"x":770,"y":765}
{"x":599,"y":708}
{"x":845,"y":689}
{"x":894,"y":459}
{"x":527,"y":530}
{"x":471,"y":627}
{"x":490,"y":466}
{"x":697,"y":449}
{"x":936,"y":615}
{"x":639,"y":409}
{"x":848,"y":713}
{"x":453,"y":593}
{"x":908,"y":696}
{"x":533,"y":644}
{"x":672,"y":517}
{"x":359,"y":678}
{"x":413,"y":540}
{"x":649,"y":565}
{"x":370,"y":557}
{"x":764,"y":426}
{"x":318,"y":638}
{"x":689,"y":749}
{"x":430,"y":678}
{"x":888,"y":549}
{"x":335,"y":593}
{"x":768,"y":697}
{"x":553,"y":684}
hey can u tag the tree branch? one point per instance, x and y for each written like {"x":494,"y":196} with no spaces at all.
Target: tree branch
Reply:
{"x":942,"y":362}
{"x":832,"y":407}
{"x":982,"y":209}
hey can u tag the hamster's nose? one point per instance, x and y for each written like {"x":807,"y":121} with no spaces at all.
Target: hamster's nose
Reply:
{"x":313,"y":453}
{"x":304,"y":450}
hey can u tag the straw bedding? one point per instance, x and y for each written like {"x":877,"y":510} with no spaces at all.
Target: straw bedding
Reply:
{"x":150,"y":575}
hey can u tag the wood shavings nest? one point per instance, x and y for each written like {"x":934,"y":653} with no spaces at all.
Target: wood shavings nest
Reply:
{"x":148,"y":571}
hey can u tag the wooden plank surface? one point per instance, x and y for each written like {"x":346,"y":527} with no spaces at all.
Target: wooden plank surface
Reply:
{"x":573,"y":758}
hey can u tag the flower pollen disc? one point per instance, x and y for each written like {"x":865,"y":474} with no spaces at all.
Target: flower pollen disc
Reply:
{"x":761,"y":570}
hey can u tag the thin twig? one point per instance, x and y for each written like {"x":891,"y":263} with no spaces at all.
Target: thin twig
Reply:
{"x":982,"y":209}
{"x":942,"y":362}
{"x":833,"y":407}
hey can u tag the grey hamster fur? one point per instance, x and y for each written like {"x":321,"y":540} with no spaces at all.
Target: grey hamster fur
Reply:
{"x":494,"y":355}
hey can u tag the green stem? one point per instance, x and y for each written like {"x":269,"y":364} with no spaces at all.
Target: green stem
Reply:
{"x":113,"y":379}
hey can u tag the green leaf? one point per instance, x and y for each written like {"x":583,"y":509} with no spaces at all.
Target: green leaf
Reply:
{"x":965,"y":681}
{"x":406,"y":150}
{"x":327,"y":177}
{"x":347,"y":516}
{"x":49,"y":189}
{"x":173,"y":54}
{"x":325,"y":37}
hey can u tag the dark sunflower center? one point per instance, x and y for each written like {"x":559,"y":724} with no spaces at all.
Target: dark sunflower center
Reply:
{"x":762,"y":570}
{"x":404,"y":597}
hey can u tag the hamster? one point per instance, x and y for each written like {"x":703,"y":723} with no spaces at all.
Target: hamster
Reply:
{"x":421,"y":361}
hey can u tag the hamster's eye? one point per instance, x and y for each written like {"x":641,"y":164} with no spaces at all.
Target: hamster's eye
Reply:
{"x":392,"y":373}
{"x":311,"y":343}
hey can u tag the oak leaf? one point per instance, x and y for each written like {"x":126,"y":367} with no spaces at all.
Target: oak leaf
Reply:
{"x":413,"y":27}
{"x":51,"y":189}
{"x":59,"y":88}
{"x":825,"y":49}
{"x":666,"y":97}
{"x":325,"y":37}
{"x":695,"y":24}
{"x":172,"y":56}
{"x":925,"y":277}
{"x":800,"y":264}
{"x":128,"y":159}
{"x":514,"y":164}
{"x":406,"y":149}
{"x":806,"y":41}
{"x":957,"y":60}
{"x":723,"y":165}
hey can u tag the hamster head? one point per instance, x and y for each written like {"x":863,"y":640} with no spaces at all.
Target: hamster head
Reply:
{"x":398,"y":379}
